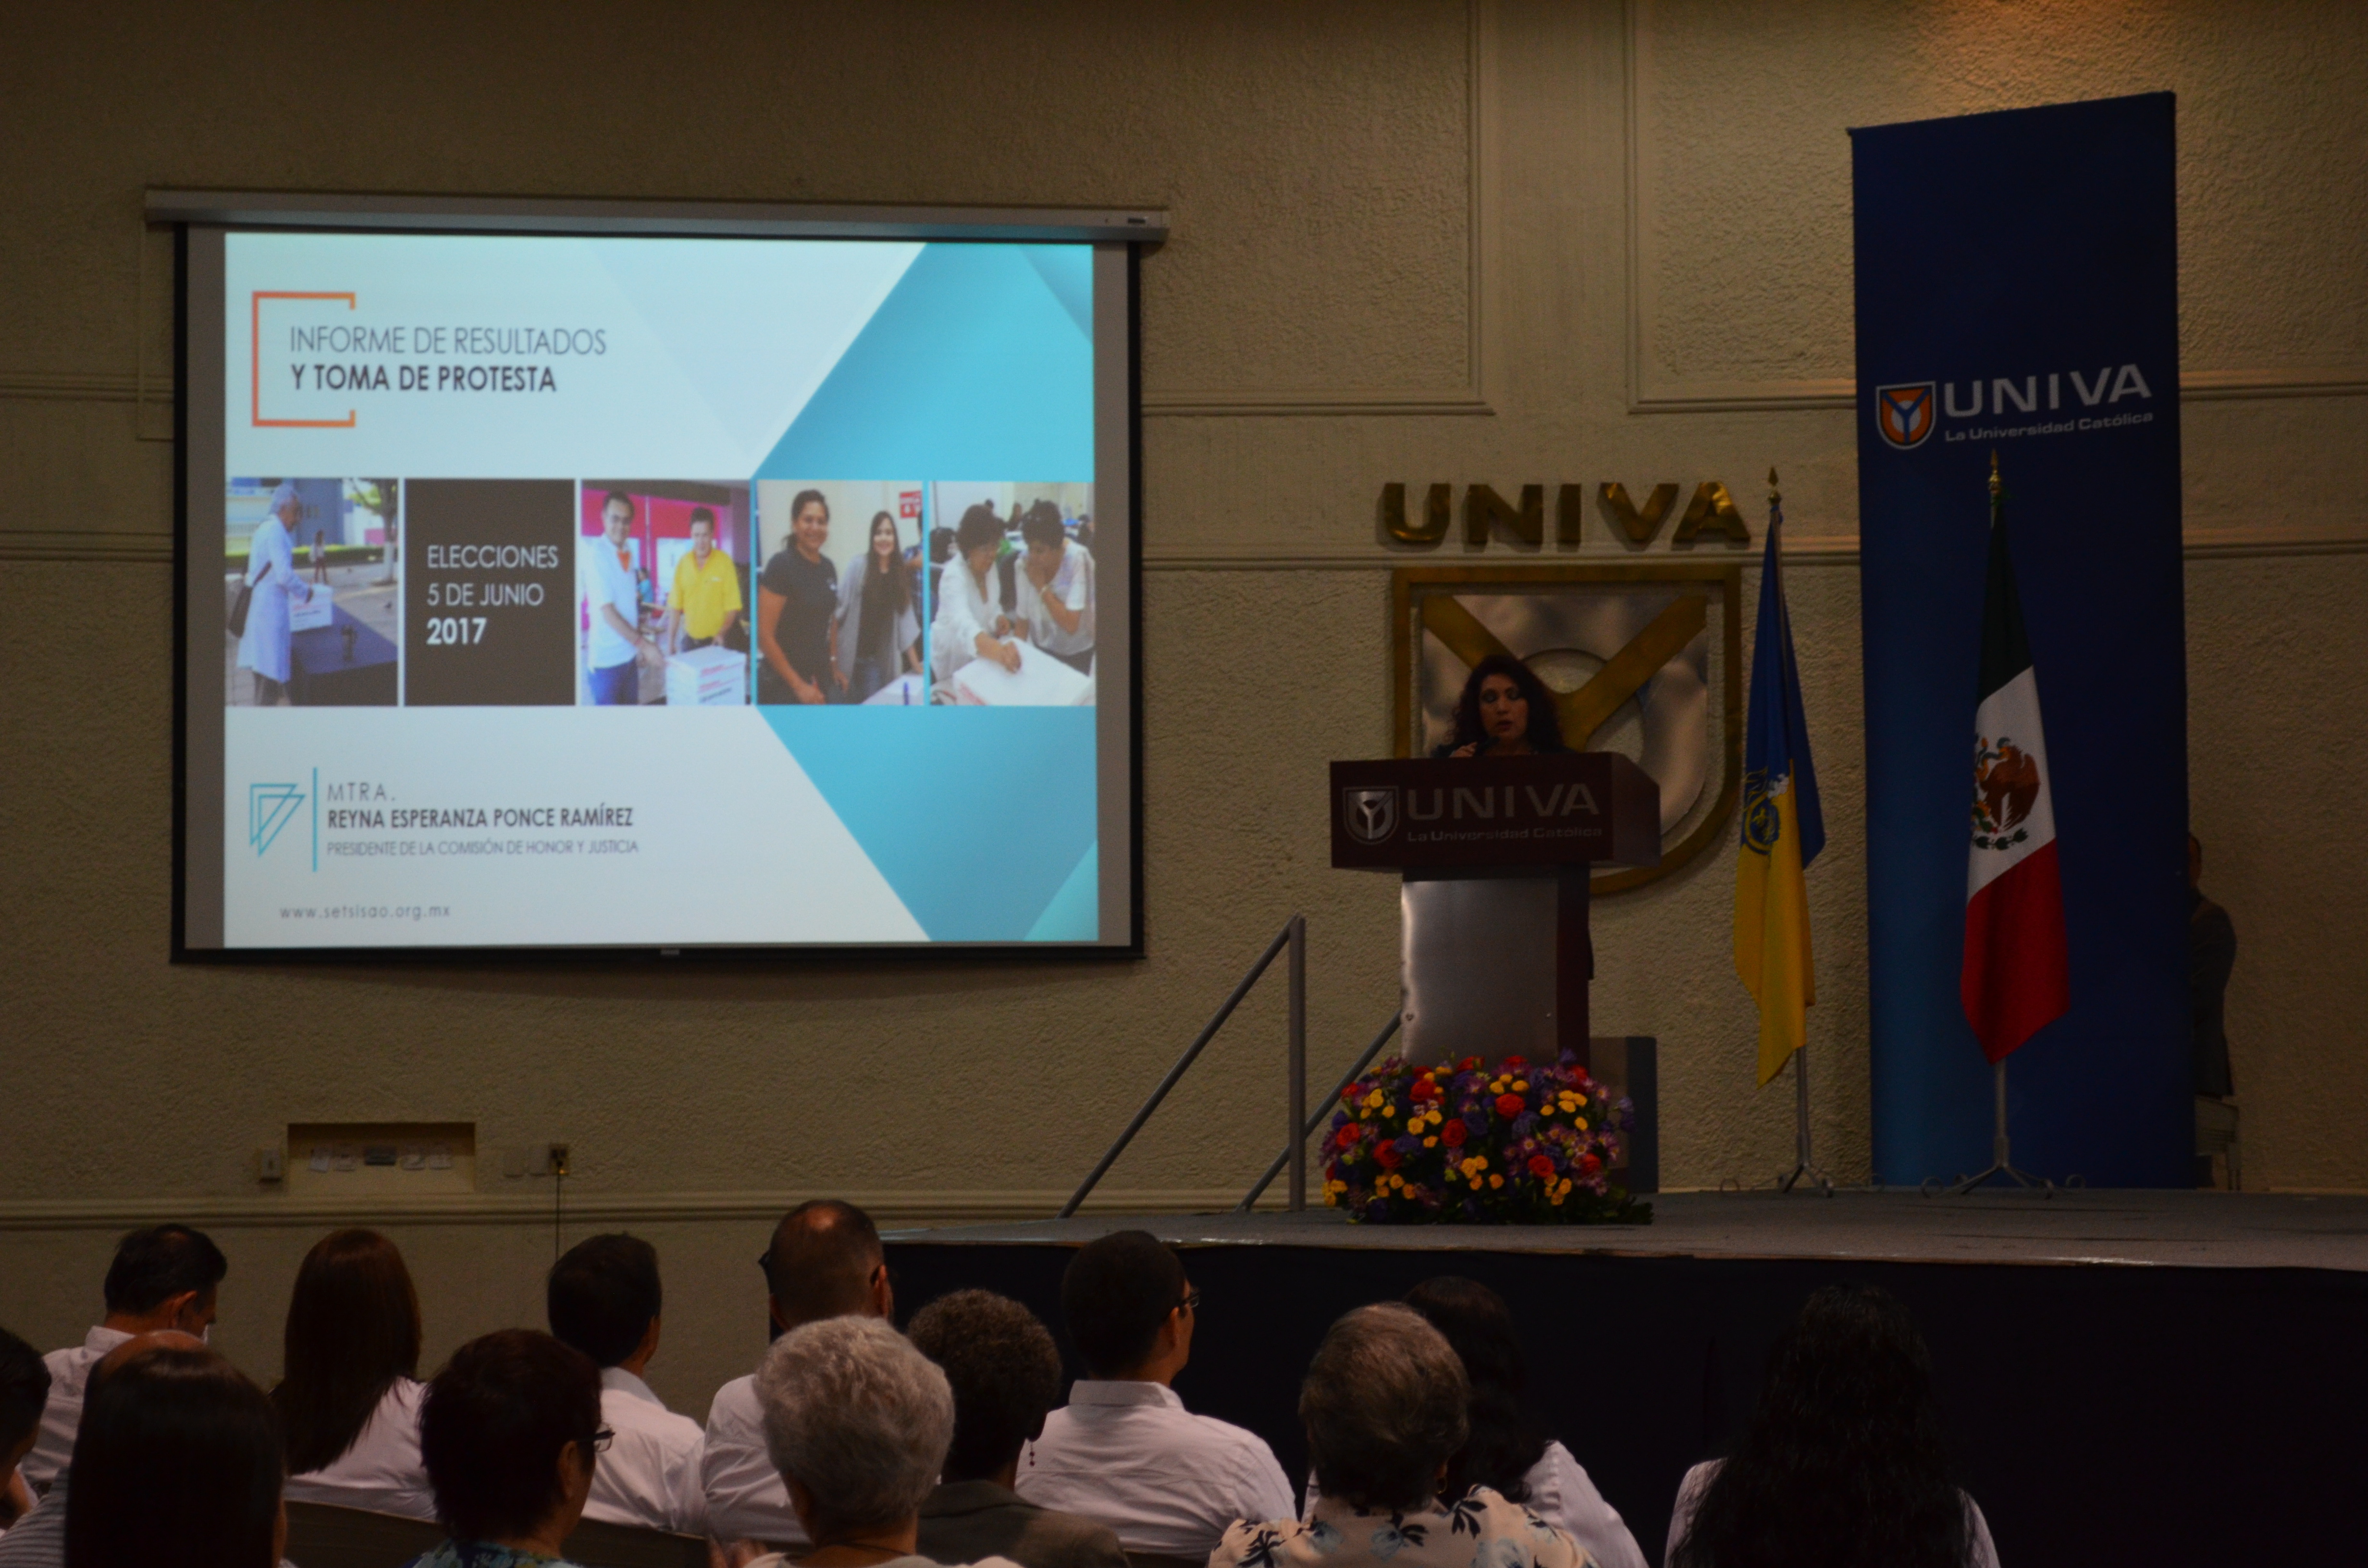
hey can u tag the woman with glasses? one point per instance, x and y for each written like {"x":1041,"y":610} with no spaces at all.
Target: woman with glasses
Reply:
{"x":510,"y":1430}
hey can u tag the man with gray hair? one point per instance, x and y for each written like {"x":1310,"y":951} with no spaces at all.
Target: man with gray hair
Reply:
{"x":1383,"y":1405}
{"x":857,"y":1422}
{"x":824,"y":1262}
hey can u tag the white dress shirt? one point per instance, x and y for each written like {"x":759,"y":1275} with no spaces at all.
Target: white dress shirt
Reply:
{"x":1073,"y":585}
{"x":1697,"y":1483}
{"x":608,"y":582}
{"x":382,"y":1471}
{"x":61,"y":1416}
{"x":649,"y":1476}
{"x":745,"y":1499}
{"x":1130,"y":1456}
{"x":964,"y":608}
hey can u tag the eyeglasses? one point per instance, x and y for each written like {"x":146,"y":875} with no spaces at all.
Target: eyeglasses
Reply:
{"x":601,"y":1439}
{"x":1191,"y":1302}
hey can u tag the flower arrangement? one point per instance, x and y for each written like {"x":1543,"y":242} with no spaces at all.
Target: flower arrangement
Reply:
{"x":1518,"y":1144}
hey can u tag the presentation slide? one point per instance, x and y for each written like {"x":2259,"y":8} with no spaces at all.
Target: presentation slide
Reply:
{"x":657,"y":592}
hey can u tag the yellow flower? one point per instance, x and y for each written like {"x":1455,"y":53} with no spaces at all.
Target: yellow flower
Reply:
{"x":1557,"y":1200}
{"x":1374,"y":1099}
{"x":1495,"y":1181}
{"x":1580,"y":1124}
{"x":1389,"y":1110}
{"x":1521,"y":1087}
{"x":1430,"y":1143}
{"x":1331,"y":1201}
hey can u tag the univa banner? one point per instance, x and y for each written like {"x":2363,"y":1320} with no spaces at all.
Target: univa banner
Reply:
{"x":2018,"y":295}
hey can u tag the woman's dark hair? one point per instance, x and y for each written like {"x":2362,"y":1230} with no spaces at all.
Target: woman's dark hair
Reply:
{"x":1546,"y":720}
{"x":979,"y":527}
{"x":602,"y":1297}
{"x":176,"y":1460}
{"x":885,"y":582}
{"x":23,"y":1390}
{"x":1004,"y":1372}
{"x":495,"y":1422}
{"x":1041,"y":524}
{"x":353,"y":1329}
{"x":941,"y":546}
{"x":798,"y":503}
{"x":1843,"y":1464}
{"x":1505,"y":1440}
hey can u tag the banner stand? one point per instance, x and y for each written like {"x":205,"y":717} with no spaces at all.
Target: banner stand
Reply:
{"x":2000,"y":1164}
{"x":1803,"y":1163}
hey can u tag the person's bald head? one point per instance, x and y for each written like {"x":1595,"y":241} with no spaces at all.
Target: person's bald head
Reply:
{"x":826,"y":1262}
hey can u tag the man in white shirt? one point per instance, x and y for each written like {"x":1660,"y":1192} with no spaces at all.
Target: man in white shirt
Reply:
{"x":616,"y":649}
{"x":166,"y":1276}
{"x":604,"y":1298}
{"x":1124,"y":1451}
{"x":1056,"y":589}
{"x":824,"y":1262}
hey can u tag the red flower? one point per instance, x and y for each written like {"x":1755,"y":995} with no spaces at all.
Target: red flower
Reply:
{"x":1589,"y":1164}
{"x":1387,"y":1155}
{"x":1510,"y":1106}
{"x":1454,"y":1134}
{"x":1516,"y":1062}
{"x":1469,"y":1062}
{"x":1424,"y":1089}
{"x":1348,"y":1136}
{"x":1540,"y":1168}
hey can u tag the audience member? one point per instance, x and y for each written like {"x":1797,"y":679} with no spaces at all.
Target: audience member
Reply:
{"x":824,"y":1262}
{"x":603,"y":1298}
{"x":166,"y":1276}
{"x":177,"y":1460}
{"x":348,"y":1393}
{"x":509,"y":1430}
{"x":1124,"y":1451}
{"x":1383,"y":1405}
{"x":1843,"y":1464}
{"x":1006,"y":1374}
{"x":857,"y":1422}
{"x":2210,"y":957}
{"x":1506,"y":1451}
{"x":38,"y":1540}
{"x":23,"y":1390}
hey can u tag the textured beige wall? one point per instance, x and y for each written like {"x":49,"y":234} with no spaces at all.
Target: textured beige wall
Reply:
{"x":1521,"y":242}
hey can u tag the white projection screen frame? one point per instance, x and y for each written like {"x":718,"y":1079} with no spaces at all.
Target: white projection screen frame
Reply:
{"x":856,"y":881}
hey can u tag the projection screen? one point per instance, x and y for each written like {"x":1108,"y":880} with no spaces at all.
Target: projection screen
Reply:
{"x":613,"y":576}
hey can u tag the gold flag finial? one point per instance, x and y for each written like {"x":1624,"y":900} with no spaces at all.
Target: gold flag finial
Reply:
{"x":1772,"y":495}
{"x":1993,"y":473}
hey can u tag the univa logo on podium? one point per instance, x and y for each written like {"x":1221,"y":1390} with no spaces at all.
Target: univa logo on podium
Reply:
{"x":1370,"y":814}
{"x":1907,"y":413}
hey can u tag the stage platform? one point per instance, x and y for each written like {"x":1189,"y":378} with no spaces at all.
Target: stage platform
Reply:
{"x":2145,"y":1377}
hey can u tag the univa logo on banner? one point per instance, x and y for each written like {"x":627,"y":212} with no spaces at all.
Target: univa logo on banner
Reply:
{"x":1907,"y":413}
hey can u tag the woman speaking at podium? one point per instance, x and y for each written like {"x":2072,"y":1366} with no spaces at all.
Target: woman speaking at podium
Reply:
{"x":1505,"y":711}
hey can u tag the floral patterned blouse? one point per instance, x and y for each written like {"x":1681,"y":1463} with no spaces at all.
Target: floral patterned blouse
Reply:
{"x":479,"y":1554}
{"x":1481,"y":1530}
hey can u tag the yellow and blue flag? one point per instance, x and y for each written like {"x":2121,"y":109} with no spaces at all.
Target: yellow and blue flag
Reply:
{"x":1782,"y":827}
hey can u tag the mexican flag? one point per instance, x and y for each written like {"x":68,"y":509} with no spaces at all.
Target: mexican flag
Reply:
{"x":2016,"y":975}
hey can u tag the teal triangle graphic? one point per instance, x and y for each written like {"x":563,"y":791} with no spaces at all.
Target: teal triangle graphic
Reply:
{"x":1074,"y":914}
{"x":976,"y":366}
{"x":978,"y":818}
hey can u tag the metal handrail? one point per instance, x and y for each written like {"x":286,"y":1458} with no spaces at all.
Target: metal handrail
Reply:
{"x":1308,"y":1125}
{"x":1294,"y":935}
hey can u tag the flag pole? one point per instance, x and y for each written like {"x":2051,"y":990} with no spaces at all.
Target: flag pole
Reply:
{"x":1804,"y":1163}
{"x":2001,"y":1163}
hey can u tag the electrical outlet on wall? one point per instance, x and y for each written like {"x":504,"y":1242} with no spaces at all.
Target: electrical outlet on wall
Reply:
{"x":555,"y":1161}
{"x":270,"y":1163}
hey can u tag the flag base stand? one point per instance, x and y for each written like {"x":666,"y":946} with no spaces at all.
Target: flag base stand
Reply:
{"x":2000,"y":1166}
{"x":1803,"y":1166}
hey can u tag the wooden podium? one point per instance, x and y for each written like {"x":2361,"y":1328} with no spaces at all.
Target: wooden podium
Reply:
{"x":1494,"y":853}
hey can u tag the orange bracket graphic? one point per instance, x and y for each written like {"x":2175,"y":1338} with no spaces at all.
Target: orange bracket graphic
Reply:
{"x":254,"y":364}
